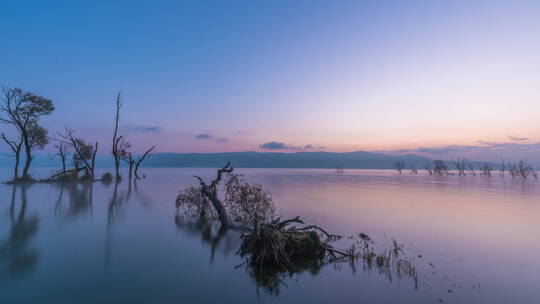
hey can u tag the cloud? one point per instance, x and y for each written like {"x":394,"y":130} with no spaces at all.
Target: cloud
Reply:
{"x":312,"y":147}
{"x":203,"y":136}
{"x":142,"y":128}
{"x":222,"y":140}
{"x":485,"y":142}
{"x":517,"y":138}
{"x":274,"y":145}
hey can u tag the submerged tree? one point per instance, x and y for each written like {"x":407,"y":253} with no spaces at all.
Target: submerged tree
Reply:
{"x":132,"y":161}
{"x":62,"y":153}
{"x":439,"y":168}
{"x":84,"y":154}
{"x":117,"y":139}
{"x":429,"y":168}
{"x":399,"y":165}
{"x":272,"y":247}
{"x":461,"y":166}
{"x":502,"y":168}
{"x":139,"y":160}
{"x":23,"y":110}
{"x":485,"y":169}
{"x":16,"y":147}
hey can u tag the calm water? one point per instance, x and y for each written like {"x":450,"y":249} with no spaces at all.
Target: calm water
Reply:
{"x":477,"y":237}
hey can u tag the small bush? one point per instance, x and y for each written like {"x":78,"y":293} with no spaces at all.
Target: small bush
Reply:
{"x":107,"y":177}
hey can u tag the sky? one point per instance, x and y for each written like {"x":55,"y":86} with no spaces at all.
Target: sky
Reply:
{"x":438,"y":78}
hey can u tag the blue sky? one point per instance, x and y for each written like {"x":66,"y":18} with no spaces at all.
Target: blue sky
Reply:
{"x":310,"y":75}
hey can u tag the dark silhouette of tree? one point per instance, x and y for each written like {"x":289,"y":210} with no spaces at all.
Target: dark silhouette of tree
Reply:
{"x":117,"y":139}
{"x":62,"y":153}
{"x":16,"y":147}
{"x":138,"y":162}
{"x":23,"y":110}
{"x":399,"y":165}
{"x":461,"y":166}
{"x":84,"y":154}
{"x":485,"y":169}
{"x":439,"y":168}
{"x":502,"y":168}
{"x":126,"y":155}
{"x":429,"y":168}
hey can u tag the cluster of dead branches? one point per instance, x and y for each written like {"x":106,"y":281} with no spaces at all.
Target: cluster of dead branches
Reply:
{"x":521,"y":169}
{"x":273,"y":247}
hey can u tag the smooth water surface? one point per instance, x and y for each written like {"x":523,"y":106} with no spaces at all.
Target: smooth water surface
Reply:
{"x":473,"y":240}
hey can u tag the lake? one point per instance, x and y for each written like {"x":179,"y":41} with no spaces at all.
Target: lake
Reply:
{"x":472,"y":239}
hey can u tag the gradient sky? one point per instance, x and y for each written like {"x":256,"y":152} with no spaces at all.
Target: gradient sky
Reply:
{"x":444,"y":78}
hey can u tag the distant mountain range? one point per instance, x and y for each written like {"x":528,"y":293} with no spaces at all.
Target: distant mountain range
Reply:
{"x":348,"y":160}
{"x":351,"y":160}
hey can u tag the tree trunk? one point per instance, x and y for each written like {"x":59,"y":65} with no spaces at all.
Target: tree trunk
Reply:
{"x":221,"y":211}
{"x":17,"y":161}
{"x":63,"y":164}
{"x":27,"y":163}
{"x":130,"y":169}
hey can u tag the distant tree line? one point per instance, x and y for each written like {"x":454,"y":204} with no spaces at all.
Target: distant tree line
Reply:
{"x":463,"y":167}
{"x":21,"y":111}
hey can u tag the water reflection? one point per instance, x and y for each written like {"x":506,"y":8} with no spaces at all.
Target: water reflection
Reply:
{"x":210,"y":233}
{"x":98,"y":243}
{"x":79,"y":199}
{"x":16,"y":252}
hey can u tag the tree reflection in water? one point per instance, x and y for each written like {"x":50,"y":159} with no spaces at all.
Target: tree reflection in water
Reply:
{"x":15,"y":251}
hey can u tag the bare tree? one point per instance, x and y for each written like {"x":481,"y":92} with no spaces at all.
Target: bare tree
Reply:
{"x":399,"y":165}
{"x":502,"y":168}
{"x":211,"y":193}
{"x":429,"y":168}
{"x":138,"y":162}
{"x":117,"y":139}
{"x":16,"y":147}
{"x":62,"y":153}
{"x":439,"y":168}
{"x":461,"y":166}
{"x":84,"y":154}
{"x":485,"y":169}
{"x":23,"y":110}
{"x":471,"y":168}
{"x":125,"y":154}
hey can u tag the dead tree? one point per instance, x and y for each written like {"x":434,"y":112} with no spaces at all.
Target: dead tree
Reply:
{"x":513,"y":170}
{"x":83,"y":153}
{"x":399,"y":165}
{"x":138,"y":162}
{"x":471,"y":168}
{"x":117,"y":139}
{"x":461,"y":166}
{"x":62,"y":153}
{"x":429,"y":168}
{"x":439,"y":168}
{"x":502,"y":168}
{"x":128,"y":159}
{"x":485,"y":169}
{"x":525,"y":169}
{"x":16,"y":147}
{"x":211,"y":193}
